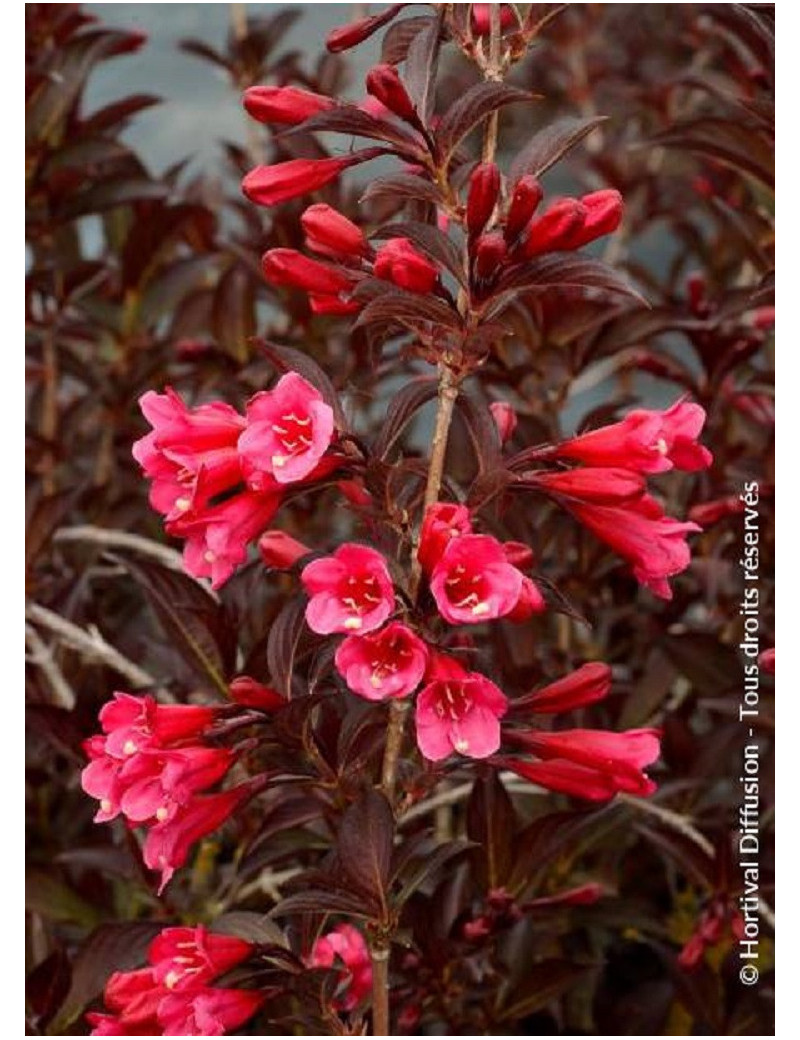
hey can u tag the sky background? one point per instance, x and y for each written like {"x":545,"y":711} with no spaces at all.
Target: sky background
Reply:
{"x":201,"y":108}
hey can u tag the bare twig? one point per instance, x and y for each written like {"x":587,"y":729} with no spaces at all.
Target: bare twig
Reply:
{"x":90,"y":643}
{"x":42,"y":656}
{"x":672,"y":819}
{"x":108,"y":538}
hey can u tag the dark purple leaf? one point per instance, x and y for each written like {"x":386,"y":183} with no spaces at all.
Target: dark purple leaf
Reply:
{"x":284,"y":638}
{"x":549,"y":144}
{"x":403,"y":407}
{"x":421,"y":63}
{"x":402,"y":186}
{"x":473,"y":106}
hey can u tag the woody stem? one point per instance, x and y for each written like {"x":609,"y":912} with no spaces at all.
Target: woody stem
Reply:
{"x":379,"y":954}
{"x":492,"y":71}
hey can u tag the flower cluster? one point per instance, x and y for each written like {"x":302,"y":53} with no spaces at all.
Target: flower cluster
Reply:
{"x":173,"y":996}
{"x":219,"y":477}
{"x":607,"y":492}
{"x":150,"y":765}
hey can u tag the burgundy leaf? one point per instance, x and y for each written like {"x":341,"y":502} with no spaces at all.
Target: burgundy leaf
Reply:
{"x":548,"y":145}
{"x":473,"y":106}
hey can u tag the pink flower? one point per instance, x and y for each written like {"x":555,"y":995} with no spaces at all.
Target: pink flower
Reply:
{"x":654,"y":544}
{"x":208,"y":1012}
{"x":217,"y":539}
{"x":458,"y":711}
{"x":345,"y":949}
{"x":388,"y":663}
{"x":168,"y":844}
{"x":398,"y":261}
{"x":442,"y":522}
{"x":172,"y":997}
{"x":185,"y":958}
{"x":289,"y":429}
{"x":190,"y":455}
{"x":473,"y":581}
{"x":645,"y":441}
{"x":173,"y":777}
{"x":350,"y":591}
{"x":591,"y":764}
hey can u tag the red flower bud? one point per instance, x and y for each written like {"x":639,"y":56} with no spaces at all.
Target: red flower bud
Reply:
{"x":347,"y":36}
{"x":518,"y":553}
{"x":482,"y":19}
{"x":490,"y":253}
{"x":384,"y":83}
{"x":600,"y":484}
{"x":286,"y":105}
{"x":399,"y":262}
{"x":603,"y":215}
{"x":252,"y":694}
{"x":590,"y":683}
{"x":554,"y":229}
{"x":525,"y":198}
{"x":279,"y":550}
{"x":271,"y":185}
{"x":330,"y":232}
{"x":322,"y":304}
{"x":709,"y":513}
{"x":288,"y":267}
{"x":505,"y":419}
{"x":484,"y":187}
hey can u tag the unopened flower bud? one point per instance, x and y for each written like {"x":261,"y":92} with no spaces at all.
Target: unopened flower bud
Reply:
{"x":525,"y":198}
{"x":284,"y":105}
{"x":384,"y":83}
{"x":484,"y":187}
{"x":330,"y":232}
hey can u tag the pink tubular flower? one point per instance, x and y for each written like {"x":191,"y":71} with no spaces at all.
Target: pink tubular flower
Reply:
{"x":398,"y":261}
{"x":654,"y":544}
{"x":172,"y":997}
{"x":473,"y":581}
{"x":388,"y":663}
{"x":185,"y":958}
{"x":345,"y":950}
{"x":292,"y":268}
{"x":459,"y":711}
{"x":208,"y":1012}
{"x":350,"y":591}
{"x":271,"y":185}
{"x":591,"y":764}
{"x":594,"y":484}
{"x":190,"y":455}
{"x":330,"y":233}
{"x":590,"y":683}
{"x":505,"y":419}
{"x":168,"y":844}
{"x":645,"y":441}
{"x":280,"y":551}
{"x":284,"y":105}
{"x":289,"y":429}
{"x":442,"y":522}
{"x":217,"y":540}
